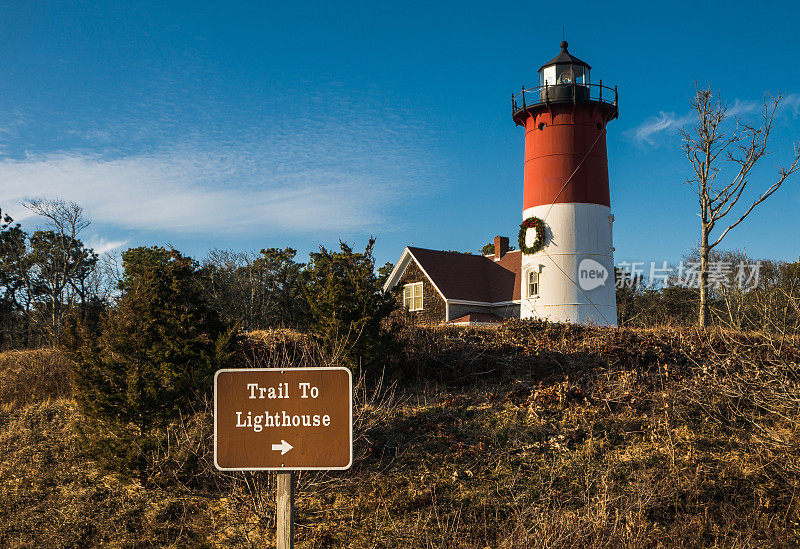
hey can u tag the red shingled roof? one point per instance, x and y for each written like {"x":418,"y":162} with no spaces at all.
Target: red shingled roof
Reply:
{"x":472,"y":277}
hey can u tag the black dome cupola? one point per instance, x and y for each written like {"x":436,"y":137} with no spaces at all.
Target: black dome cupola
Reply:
{"x":564,"y":69}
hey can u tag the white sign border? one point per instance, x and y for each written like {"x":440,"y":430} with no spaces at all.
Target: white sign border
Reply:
{"x":282,"y":370}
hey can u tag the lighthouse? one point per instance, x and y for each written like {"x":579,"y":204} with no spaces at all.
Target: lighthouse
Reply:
{"x":567,"y":271}
{"x":563,"y":270}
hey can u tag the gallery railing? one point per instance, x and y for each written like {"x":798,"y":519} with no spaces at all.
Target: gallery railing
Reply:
{"x":561,"y":93}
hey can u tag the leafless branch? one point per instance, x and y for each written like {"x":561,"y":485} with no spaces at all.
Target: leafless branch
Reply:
{"x":743,"y":146}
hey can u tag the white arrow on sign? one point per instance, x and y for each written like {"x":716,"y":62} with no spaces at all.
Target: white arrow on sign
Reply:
{"x":283,"y":447}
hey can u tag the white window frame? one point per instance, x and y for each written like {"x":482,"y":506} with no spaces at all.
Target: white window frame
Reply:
{"x":416,"y":293}
{"x":538,"y":283}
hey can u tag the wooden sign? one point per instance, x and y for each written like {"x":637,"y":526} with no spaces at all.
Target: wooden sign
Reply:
{"x":283,"y":419}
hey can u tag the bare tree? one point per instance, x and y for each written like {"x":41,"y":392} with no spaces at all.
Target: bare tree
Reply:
{"x":743,"y":145}
{"x":66,"y":218}
{"x":63,"y":263}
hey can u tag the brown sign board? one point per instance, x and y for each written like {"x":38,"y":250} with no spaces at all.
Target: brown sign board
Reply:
{"x":283,"y":419}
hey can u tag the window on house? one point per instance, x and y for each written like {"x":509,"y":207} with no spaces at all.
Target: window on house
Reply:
{"x":533,"y":284}
{"x":412,"y":296}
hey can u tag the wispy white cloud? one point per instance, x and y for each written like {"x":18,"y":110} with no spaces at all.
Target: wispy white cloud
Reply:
{"x":792,"y":103}
{"x":345,"y":172}
{"x":743,"y":107}
{"x":666,"y":122}
{"x":101,"y":245}
{"x":9,"y":123}
{"x":339,"y":162}
{"x":199,"y":192}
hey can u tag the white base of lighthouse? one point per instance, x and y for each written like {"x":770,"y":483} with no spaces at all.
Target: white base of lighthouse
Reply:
{"x":576,"y":266}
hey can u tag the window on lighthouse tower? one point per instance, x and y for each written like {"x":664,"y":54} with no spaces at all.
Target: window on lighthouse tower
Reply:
{"x":533,"y":284}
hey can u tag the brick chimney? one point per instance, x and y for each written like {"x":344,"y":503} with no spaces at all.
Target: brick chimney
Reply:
{"x":500,"y":247}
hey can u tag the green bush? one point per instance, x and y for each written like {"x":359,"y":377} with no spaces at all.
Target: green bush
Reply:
{"x":154,"y":359}
{"x":348,"y":308}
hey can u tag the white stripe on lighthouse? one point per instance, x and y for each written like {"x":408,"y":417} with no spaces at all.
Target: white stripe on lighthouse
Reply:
{"x":576,"y":235}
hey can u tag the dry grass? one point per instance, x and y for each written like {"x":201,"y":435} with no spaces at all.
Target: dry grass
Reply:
{"x":531,"y":435}
{"x":28,"y":376}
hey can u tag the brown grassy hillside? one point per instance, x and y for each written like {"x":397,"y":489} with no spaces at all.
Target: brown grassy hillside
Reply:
{"x":532,"y":435}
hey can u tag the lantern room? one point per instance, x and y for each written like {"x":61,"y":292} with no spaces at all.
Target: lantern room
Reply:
{"x":564,"y":69}
{"x":563,"y":79}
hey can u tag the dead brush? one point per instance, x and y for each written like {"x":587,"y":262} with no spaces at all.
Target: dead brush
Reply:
{"x":587,"y":438}
{"x":32,"y":375}
{"x":253,"y":493}
{"x":527,"y":436}
{"x":758,"y":402}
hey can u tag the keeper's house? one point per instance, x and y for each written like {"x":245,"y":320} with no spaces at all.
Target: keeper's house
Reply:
{"x":439,"y":287}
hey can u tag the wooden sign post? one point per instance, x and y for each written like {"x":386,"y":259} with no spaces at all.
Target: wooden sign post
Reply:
{"x":283,"y":419}
{"x":284,"y":516}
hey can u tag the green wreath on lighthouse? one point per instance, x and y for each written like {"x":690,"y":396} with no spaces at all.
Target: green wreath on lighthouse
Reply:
{"x":538,"y":244}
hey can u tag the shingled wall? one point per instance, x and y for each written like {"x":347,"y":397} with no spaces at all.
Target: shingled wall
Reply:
{"x":433,"y":306}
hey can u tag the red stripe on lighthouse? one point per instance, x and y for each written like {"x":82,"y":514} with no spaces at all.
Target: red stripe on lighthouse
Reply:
{"x":565,"y":155}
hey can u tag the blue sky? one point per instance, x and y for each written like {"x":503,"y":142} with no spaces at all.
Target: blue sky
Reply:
{"x":250,"y":125}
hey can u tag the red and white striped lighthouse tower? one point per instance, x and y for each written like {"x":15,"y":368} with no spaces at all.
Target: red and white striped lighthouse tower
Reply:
{"x":568,"y":271}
